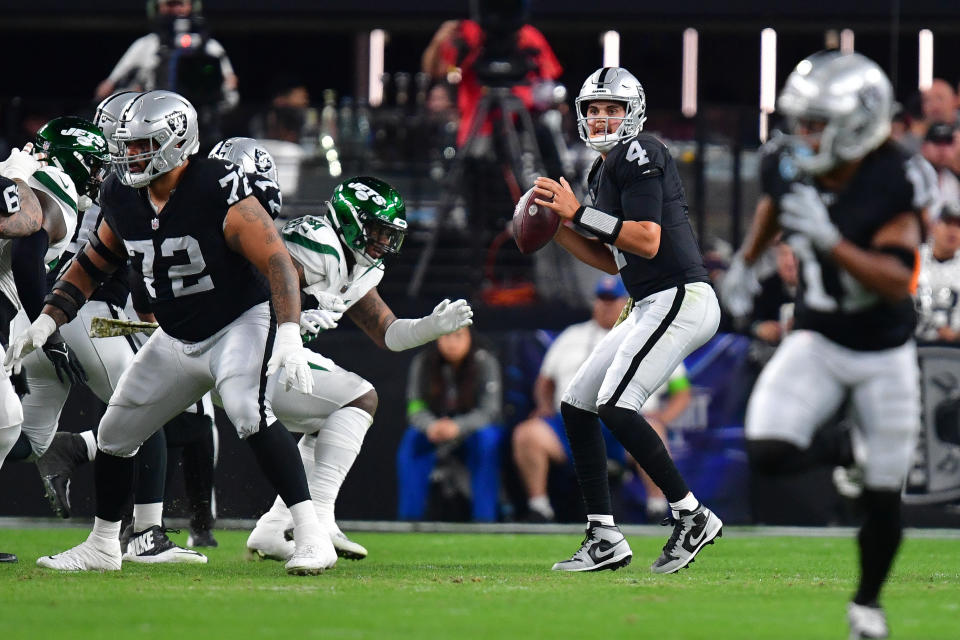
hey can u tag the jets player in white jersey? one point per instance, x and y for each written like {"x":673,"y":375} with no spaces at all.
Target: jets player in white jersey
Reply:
{"x":340,"y":260}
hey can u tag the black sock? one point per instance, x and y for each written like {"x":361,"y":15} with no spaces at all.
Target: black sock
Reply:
{"x":198,"y":469}
{"x":589,"y":457}
{"x":21,"y":449}
{"x":644,"y":444}
{"x":774,"y":457}
{"x":279,"y":459}
{"x":151,"y":470}
{"x":114,"y":477}
{"x":879,"y":540}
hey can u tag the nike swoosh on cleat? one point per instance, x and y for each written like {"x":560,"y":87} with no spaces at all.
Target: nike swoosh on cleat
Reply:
{"x":602,"y":550}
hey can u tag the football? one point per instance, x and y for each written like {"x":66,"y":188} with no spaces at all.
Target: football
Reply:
{"x":533,"y":226}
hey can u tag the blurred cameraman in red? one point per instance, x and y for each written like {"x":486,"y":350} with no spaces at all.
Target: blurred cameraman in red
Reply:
{"x":494,"y":48}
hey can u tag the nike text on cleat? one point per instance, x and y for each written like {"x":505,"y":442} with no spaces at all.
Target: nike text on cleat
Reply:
{"x":603,"y":547}
{"x":312,"y":559}
{"x":692,"y":531}
{"x":267,"y":542}
{"x":67,"y":451}
{"x":89,"y":555}
{"x":153,"y":546}
{"x":866,"y":622}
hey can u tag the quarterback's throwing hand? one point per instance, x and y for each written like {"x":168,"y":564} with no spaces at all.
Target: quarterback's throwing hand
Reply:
{"x":33,"y":337}
{"x":557,"y":196}
{"x":802,"y":211}
{"x":288,"y":352}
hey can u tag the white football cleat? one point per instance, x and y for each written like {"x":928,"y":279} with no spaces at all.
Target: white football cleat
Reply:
{"x":866,"y":622}
{"x":152,"y":546}
{"x":346,"y":548}
{"x":266,"y":542}
{"x":312,"y":559}
{"x":90,"y":555}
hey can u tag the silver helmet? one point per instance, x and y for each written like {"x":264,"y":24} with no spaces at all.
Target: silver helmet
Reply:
{"x":248,"y":154}
{"x":618,"y":85}
{"x":168,"y":123}
{"x":849,"y":95}
{"x":108,"y":115}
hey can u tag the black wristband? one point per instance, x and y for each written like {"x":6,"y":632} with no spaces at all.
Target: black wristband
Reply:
{"x":99,"y":275}
{"x":104,"y":252}
{"x":603,"y":225}
{"x":71,"y":291}
{"x":65,"y":304}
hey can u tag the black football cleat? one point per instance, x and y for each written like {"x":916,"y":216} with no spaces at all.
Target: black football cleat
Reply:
{"x":7,"y":557}
{"x":201,"y":538}
{"x":67,"y":451}
{"x":153,"y":546}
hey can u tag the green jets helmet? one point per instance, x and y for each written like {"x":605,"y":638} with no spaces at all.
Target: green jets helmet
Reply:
{"x":370,"y":218}
{"x":76,"y":147}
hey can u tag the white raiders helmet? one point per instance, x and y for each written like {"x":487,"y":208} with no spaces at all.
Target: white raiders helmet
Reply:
{"x":850,"y":95}
{"x":168,"y":122}
{"x":248,"y":154}
{"x":108,"y":115}
{"x":614,"y":84}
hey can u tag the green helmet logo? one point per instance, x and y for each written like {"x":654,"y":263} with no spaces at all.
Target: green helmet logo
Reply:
{"x":370,"y":217}
{"x":78,"y":148}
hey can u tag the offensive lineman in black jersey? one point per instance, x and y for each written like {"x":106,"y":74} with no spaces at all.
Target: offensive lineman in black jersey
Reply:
{"x":199,"y":240}
{"x":638,"y":213}
{"x":850,"y":203}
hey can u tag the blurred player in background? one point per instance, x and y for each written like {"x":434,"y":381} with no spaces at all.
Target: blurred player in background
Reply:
{"x":850,"y":204}
{"x":637,"y":218}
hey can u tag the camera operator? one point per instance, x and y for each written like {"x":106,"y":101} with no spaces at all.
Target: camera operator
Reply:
{"x":494,"y":48}
{"x":177,"y":55}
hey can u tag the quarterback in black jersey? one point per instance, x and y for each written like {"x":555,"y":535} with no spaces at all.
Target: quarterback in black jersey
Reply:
{"x":850,"y":204}
{"x":200,"y":241}
{"x":638,"y":227}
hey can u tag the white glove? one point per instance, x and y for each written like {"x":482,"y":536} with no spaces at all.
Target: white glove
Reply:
{"x":33,"y":337}
{"x":313,"y":321}
{"x":802,"y":211}
{"x":446,"y":318}
{"x":20,"y":165}
{"x":738,"y":287}
{"x":289,"y":353}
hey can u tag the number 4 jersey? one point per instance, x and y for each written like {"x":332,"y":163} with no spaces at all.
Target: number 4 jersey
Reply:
{"x":830,"y":301}
{"x":196,"y":284}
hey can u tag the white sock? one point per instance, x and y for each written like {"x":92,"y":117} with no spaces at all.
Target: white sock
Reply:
{"x":541,"y":504}
{"x":91,"y":441}
{"x":277,"y":517}
{"x":335,"y":448}
{"x":106,"y":532}
{"x":8,"y":438}
{"x":687,"y":503}
{"x":604,"y":519}
{"x":306,"y":528}
{"x":147,"y":515}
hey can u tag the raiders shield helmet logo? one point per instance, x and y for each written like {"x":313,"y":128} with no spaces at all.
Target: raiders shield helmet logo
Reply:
{"x":263,"y":161}
{"x":177,"y":122}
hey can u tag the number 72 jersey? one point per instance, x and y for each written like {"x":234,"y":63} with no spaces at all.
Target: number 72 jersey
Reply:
{"x":197,"y":285}
{"x":830,"y":301}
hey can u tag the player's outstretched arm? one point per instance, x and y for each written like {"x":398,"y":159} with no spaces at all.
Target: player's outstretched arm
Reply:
{"x":764,"y":228}
{"x":376,"y":319}
{"x":249,"y":231}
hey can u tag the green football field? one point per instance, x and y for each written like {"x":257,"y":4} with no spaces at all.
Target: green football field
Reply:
{"x":419,"y":585}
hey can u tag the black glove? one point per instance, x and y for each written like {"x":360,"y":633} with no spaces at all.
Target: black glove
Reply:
{"x":64,"y":360}
{"x":19,"y":381}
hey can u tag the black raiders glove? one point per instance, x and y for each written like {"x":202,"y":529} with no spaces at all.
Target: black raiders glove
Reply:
{"x":64,"y":360}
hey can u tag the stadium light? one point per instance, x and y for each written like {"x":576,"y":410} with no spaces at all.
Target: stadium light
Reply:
{"x":846,"y":41}
{"x":768,"y":78}
{"x":611,"y":49}
{"x":688,"y":96}
{"x":926,"y":59}
{"x":378,"y":39}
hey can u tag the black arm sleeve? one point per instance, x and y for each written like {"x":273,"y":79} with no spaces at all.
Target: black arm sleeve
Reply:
{"x":29,"y":272}
{"x":138,"y":293}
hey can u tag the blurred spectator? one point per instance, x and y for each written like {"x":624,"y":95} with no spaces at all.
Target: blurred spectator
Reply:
{"x":495,"y":47}
{"x":282,"y":129}
{"x":939,"y":103}
{"x":772,"y":308}
{"x":152,"y":59}
{"x":454,"y":405}
{"x":941,"y":148}
{"x":541,"y":441}
{"x":938,"y":283}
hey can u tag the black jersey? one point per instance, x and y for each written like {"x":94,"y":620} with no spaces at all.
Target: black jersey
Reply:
{"x":116,"y":289}
{"x":830,"y":301}
{"x":614,"y":183}
{"x":195,"y":283}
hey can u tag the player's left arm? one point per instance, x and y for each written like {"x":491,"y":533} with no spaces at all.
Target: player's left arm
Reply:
{"x":373,"y":316}
{"x":376,"y":319}
{"x":887,"y":268}
{"x":249,"y":231}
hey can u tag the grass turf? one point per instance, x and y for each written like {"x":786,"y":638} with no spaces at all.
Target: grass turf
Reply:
{"x":478,"y":586}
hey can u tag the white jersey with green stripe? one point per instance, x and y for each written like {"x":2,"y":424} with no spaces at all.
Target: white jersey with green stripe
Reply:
{"x":312,"y":241}
{"x":58,"y":185}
